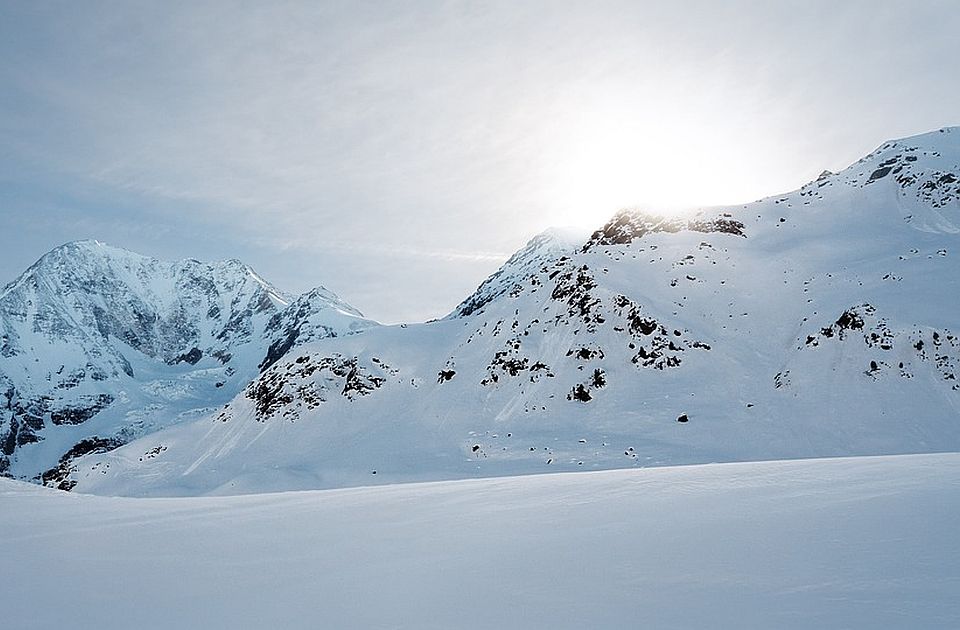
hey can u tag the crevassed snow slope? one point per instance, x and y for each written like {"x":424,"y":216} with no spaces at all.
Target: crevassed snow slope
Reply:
{"x":821,"y":322}
{"x":845,"y":543}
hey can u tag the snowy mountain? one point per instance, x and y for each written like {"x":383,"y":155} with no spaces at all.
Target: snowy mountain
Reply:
{"x":99,"y":345}
{"x":542,"y":249}
{"x":821,"y":322}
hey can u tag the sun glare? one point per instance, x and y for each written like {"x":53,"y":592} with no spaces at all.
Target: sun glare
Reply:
{"x":608,"y":160}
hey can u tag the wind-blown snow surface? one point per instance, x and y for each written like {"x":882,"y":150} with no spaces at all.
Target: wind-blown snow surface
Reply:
{"x":822,"y":322}
{"x":847,"y":543}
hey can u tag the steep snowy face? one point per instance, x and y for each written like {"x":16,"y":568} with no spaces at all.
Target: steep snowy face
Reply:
{"x":819,"y":322}
{"x":164,"y":310}
{"x":96,"y":338}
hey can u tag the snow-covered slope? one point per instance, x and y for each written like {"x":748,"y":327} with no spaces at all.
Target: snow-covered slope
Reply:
{"x":99,"y":345}
{"x":820,"y":322}
{"x":542,"y":249}
{"x":853,"y":543}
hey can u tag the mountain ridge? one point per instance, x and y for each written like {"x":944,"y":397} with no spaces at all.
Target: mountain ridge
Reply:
{"x":91,"y":327}
{"x":730,"y":334}
{"x":818,"y":322}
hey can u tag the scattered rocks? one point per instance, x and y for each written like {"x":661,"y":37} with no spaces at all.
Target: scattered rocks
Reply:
{"x":445,"y":375}
{"x":580,"y":393}
{"x":309,"y":381}
{"x":58,"y":477}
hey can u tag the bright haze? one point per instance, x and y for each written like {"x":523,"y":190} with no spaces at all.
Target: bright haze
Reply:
{"x":398,"y":152}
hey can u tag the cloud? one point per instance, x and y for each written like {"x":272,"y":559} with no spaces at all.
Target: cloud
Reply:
{"x":437,"y":131}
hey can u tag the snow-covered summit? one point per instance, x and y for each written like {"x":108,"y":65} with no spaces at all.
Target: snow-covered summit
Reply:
{"x":161,"y":309}
{"x":540,"y":250}
{"x":95,"y":336}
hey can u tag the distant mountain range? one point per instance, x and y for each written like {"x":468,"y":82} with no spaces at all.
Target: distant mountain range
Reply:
{"x":99,"y":345}
{"x":819,"y":322}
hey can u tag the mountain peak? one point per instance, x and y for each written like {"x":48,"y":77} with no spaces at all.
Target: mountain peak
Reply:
{"x":93,"y":247}
{"x":92,"y":330}
{"x":922,"y":171}
{"x":949,"y":134}
{"x":627,"y":226}
{"x":543,"y":248}
{"x":564,"y":237}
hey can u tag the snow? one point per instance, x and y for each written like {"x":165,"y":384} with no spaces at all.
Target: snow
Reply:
{"x":860,"y":542}
{"x":514,"y":464}
{"x":743,"y":312}
{"x":539,"y":250}
{"x":92,"y":320}
{"x":821,"y":322}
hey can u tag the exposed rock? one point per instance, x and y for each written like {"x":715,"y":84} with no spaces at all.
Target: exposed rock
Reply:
{"x":80,"y":413}
{"x":192,"y":357}
{"x":628,"y":226}
{"x":57,"y":477}
{"x":445,"y":375}
{"x":580,"y":393}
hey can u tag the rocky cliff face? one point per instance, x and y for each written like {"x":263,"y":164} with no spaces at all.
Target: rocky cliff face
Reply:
{"x":99,"y":345}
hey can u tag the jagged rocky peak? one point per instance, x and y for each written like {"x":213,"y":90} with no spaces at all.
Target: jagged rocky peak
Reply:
{"x":629,"y":225}
{"x":542,"y":249}
{"x":156,"y":307}
{"x":100,"y":344}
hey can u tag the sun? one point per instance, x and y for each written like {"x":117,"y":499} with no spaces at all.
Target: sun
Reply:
{"x":605,"y":160}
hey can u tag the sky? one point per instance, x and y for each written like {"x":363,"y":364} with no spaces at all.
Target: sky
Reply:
{"x":398,"y":152}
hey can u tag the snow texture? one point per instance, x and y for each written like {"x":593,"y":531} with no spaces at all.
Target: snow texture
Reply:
{"x":846,"y":543}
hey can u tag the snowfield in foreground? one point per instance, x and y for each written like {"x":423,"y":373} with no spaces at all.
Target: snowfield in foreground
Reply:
{"x":852,"y":543}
